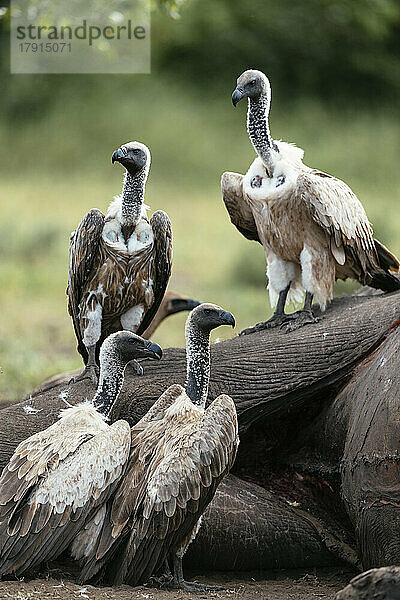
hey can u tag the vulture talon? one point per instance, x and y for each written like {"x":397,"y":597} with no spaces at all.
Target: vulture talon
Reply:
{"x":274,"y":321}
{"x":299,"y":319}
{"x":89,"y":372}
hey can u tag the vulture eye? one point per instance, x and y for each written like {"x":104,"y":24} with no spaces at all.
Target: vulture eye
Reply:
{"x":208,"y":311}
{"x":252,"y":82}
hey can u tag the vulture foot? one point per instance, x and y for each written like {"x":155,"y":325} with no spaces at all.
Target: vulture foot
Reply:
{"x":163,"y":579}
{"x":298,"y":319}
{"x":274,"y":321}
{"x":90,"y":372}
{"x":179,"y":583}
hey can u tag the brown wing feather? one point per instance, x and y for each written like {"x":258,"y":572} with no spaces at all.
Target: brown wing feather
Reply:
{"x":161,"y":498}
{"x":181,"y":486}
{"x":133,"y":485}
{"x":181,"y":489}
{"x":162,"y":230}
{"x":334,"y":206}
{"x":239,"y":211}
{"x":83,"y":247}
{"x":70,"y":474}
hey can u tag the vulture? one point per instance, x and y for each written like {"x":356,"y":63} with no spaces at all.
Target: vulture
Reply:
{"x":119,"y":264}
{"x":171,"y":304}
{"x":59,"y":479}
{"x":313,"y":228}
{"x":180,"y":452}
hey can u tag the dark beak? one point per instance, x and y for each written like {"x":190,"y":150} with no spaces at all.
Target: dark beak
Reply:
{"x":237,"y":96}
{"x":228,"y":318}
{"x":117,"y":155}
{"x":153,"y":351}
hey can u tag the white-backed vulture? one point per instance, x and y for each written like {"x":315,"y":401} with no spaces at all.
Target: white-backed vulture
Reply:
{"x":180,"y":451}
{"x":119,"y":264}
{"x":59,"y":479}
{"x":312,"y":226}
{"x":171,"y":304}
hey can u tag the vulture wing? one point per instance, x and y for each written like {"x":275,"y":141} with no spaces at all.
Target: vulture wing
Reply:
{"x":339,"y":212}
{"x":82,"y":251}
{"x":52,"y":486}
{"x":162,"y":230}
{"x":237,"y":207}
{"x":180,"y":486}
{"x":144,"y":435}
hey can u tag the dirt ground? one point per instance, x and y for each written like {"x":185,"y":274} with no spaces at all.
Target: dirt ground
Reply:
{"x":282,"y":585}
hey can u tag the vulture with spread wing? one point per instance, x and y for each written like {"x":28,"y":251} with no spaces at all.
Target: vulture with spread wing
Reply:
{"x":313,"y":228}
{"x":119,"y":264}
{"x":54,"y":489}
{"x":180,"y":451}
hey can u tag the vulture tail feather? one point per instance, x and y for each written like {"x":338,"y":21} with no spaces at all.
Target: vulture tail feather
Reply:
{"x":385,"y":281}
{"x":387,"y":260}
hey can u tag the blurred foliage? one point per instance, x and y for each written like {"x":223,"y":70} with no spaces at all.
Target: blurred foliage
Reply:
{"x":313,"y":47}
{"x":336,"y":50}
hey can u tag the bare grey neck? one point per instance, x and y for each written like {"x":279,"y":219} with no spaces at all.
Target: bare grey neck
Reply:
{"x":198,"y":364}
{"x":132,"y":197}
{"x":110,"y":384}
{"x":258,"y":130}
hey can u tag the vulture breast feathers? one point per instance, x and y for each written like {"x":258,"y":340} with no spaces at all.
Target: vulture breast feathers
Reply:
{"x":55,"y":482}
{"x":102,"y":273}
{"x":174,"y":469}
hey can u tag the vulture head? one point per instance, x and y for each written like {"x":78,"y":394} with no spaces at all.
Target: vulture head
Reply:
{"x":251,"y":84}
{"x":206,"y":317}
{"x":134,"y":156}
{"x":124,"y":346}
{"x":175,"y":303}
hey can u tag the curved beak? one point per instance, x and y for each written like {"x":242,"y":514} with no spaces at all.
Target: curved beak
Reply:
{"x":237,"y":95}
{"x":117,"y":155}
{"x":228,"y":318}
{"x":153,"y":351}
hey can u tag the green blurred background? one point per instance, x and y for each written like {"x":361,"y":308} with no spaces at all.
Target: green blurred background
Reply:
{"x":334,"y":67}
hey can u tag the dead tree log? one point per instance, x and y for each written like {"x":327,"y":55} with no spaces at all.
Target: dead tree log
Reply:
{"x":280,"y":384}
